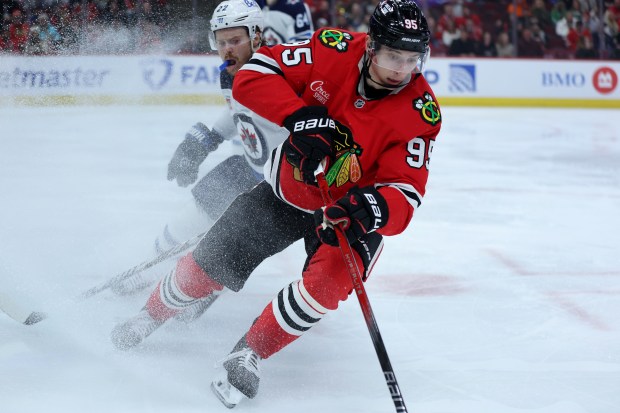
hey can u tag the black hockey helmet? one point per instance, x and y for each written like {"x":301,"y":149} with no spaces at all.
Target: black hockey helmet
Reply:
{"x":400,"y":24}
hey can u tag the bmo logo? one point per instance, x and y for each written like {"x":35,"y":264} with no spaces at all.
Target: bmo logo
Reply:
{"x":605,"y":80}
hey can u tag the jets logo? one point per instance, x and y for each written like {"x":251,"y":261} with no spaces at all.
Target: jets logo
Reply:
{"x":335,"y":39}
{"x":254,"y":143}
{"x":347,"y":167}
{"x":429,"y":111}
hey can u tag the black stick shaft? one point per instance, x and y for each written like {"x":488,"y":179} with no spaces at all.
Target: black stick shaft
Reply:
{"x":143,"y":266}
{"x":369,"y":317}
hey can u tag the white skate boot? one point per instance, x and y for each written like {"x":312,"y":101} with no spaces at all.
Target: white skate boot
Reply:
{"x":133,"y":331}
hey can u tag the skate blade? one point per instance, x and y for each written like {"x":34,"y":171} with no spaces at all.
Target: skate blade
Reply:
{"x":227,"y":393}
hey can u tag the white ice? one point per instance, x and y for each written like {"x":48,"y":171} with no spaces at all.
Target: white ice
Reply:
{"x":501,"y":297}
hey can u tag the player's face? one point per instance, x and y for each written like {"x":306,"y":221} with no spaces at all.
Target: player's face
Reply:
{"x":234,"y":45}
{"x":391,"y":66}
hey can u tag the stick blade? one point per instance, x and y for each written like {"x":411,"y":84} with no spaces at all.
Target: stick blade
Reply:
{"x":34,"y":318}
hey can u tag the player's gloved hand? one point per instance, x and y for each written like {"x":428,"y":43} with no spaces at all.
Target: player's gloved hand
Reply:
{"x":360,"y":211}
{"x":185,"y":162}
{"x":312,"y":132}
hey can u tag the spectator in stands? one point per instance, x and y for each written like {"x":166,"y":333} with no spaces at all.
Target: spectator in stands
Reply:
{"x":504,"y":46}
{"x":585,"y":49}
{"x":464,"y":46}
{"x":457,"y":9}
{"x":558,"y":12}
{"x":446,"y":17}
{"x":528,"y":46}
{"x":592,"y":22}
{"x":474,"y":30}
{"x":615,"y":51}
{"x":576,"y":10}
{"x":450,"y":33}
{"x":575,"y":34}
{"x":563,"y":26}
{"x":540,"y":12}
{"x":321,"y":13}
{"x":468,"y":14}
{"x":34,"y":45}
{"x":537,"y":33}
{"x":111,"y":12}
{"x":18,"y":31}
{"x":611,"y":28}
{"x":69,"y":30}
{"x":50,"y":38}
{"x":521,"y":11}
{"x":436,"y":44}
{"x":486,"y":47}
{"x":499,"y":26}
{"x":5,"y":39}
{"x":357,"y":18}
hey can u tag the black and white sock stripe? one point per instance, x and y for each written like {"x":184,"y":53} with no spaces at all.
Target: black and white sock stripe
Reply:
{"x":295,"y":310}
{"x":172,"y":296}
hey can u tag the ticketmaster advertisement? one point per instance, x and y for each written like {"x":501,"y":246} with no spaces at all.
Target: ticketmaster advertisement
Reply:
{"x":110,"y":76}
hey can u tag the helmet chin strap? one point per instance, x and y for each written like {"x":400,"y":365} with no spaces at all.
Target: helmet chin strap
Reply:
{"x":367,"y":75}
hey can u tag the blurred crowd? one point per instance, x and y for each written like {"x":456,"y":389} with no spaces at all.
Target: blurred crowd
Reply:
{"x":581,"y":29}
{"x":568,"y":29}
{"x":51,"y":27}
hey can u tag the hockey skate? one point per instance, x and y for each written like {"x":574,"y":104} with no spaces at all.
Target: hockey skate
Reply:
{"x":133,"y":331}
{"x":242,"y":376}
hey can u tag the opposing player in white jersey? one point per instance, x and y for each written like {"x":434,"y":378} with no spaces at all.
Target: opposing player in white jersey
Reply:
{"x":286,"y":21}
{"x":236,"y":32}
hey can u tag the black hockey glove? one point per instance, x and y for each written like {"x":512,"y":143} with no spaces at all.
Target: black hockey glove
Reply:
{"x":312,"y":132}
{"x":185,"y":162}
{"x":360,"y":211}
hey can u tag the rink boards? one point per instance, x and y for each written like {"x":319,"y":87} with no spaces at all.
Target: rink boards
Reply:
{"x":172,"y":79}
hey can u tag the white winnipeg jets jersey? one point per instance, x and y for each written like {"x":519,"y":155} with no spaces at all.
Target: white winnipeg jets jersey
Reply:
{"x":258,"y":136}
{"x":286,"y":21}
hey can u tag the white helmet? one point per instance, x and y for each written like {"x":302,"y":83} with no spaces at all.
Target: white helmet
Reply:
{"x":236,"y":13}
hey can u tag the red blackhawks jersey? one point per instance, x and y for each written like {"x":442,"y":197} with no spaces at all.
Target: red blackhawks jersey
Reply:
{"x":391,"y":138}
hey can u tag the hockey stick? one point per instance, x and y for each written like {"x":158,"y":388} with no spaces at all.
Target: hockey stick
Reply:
{"x":17,"y":312}
{"x":362,"y":297}
{"x":143,"y":266}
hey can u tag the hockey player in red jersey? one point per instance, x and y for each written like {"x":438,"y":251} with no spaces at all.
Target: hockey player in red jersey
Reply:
{"x":355,"y":101}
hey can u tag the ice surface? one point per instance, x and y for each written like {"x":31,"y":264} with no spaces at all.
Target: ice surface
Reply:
{"x":502,"y":296}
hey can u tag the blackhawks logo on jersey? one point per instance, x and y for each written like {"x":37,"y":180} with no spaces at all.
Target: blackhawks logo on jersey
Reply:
{"x":428,"y":109}
{"x":335,"y":39}
{"x":347,"y":166}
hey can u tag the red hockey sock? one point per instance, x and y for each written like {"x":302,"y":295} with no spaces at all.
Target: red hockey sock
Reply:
{"x":266,"y":337}
{"x":156,"y":307}
{"x":186,"y":284}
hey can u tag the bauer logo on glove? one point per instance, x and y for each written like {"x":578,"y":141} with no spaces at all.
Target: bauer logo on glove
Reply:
{"x":360,"y":211}
{"x":312,"y":133}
